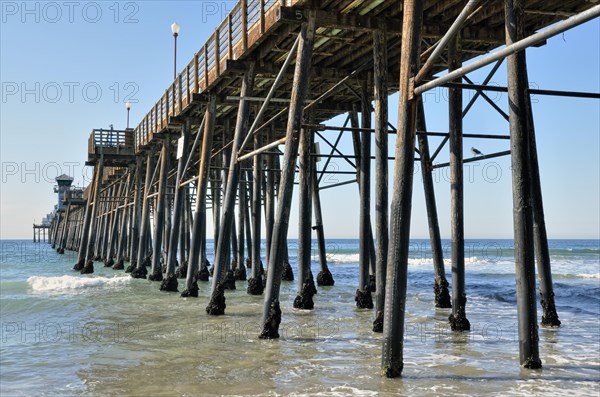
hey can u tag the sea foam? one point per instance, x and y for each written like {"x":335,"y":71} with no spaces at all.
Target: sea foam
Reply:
{"x":69,"y":283}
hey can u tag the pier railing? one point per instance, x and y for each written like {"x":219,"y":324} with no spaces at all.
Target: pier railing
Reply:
{"x":238,"y":32}
{"x":110,"y":141}
{"x":73,"y":194}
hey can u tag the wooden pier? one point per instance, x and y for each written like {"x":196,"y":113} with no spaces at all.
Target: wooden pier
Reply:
{"x":272,"y":74}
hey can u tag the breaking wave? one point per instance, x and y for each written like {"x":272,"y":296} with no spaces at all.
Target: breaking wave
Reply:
{"x":70,"y":283}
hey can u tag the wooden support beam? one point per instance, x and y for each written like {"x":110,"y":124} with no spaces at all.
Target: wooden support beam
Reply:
{"x":270,"y":198}
{"x":396,"y":278}
{"x":363,"y":296}
{"x":240,"y":271}
{"x":114,"y":226}
{"x":123,"y":228}
{"x":255,"y":213}
{"x":140,"y":270}
{"x":215,"y":187}
{"x":216,"y":306}
{"x":159,"y":229}
{"x":183,"y":231}
{"x":170,"y":282}
{"x":380,"y":92}
{"x":440,"y":288}
{"x":89,"y":263}
{"x":324,"y":278}
{"x":62,"y":239}
{"x":103,"y":226}
{"x":197,"y":258}
{"x":84,"y":230}
{"x":248,"y":226}
{"x":369,"y":23}
{"x":549,"y":315}
{"x":135,"y":216}
{"x":458,"y":318}
{"x":306,"y":288}
{"x":272,"y":312}
{"x":529,"y":355}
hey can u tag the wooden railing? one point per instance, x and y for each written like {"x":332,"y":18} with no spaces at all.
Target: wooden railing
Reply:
{"x":74,"y":193}
{"x":113,"y":139}
{"x":229,"y":42}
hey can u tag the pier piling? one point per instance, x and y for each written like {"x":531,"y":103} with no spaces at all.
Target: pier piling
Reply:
{"x":272,"y":312}
{"x":400,"y":211}
{"x":380,"y":89}
{"x":522,"y":190}
{"x":458,"y":318}
{"x":216,"y":306}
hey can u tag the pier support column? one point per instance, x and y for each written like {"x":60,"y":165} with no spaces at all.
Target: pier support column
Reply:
{"x":141,"y":271}
{"x":65,"y":231}
{"x":287,"y":273}
{"x":272,"y":312}
{"x":324,"y":278}
{"x":168,"y":212}
{"x":440,"y":287}
{"x":370,"y":263}
{"x":134,"y":228}
{"x":169,"y":284}
{"x":255,"y":283}
{"x":89,"y":263}
{"x":55,"y":226}
{"x":199,"y":225}
{"x":522,"y":192}
{"x":396,"y":278}
{"x":183,"y":226}
{"x":159,"y":222}
{"x":114,"y":225}
{"x":458,"y":318}
{"x":247,"y":206}
{"x":216,"y":306}
{"x":240,"y":270}
{"x":122,"y":243}
{"x":363,"y":297}
{"x":549,"y":316}
{"x":215,"y":186}
{"x":85,"y":228}
{"x":234,"y":244}
{"x":102,"y":246}
{"x":381,"y":171}
{"x":270,"y":198}
{"x":306,"y":285}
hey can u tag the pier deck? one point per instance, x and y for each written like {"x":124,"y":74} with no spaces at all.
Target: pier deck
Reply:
{"x":265,"y":30}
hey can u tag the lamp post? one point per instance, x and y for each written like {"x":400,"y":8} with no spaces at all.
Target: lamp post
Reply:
{"x":128,"y":107}
{"x":175,"y":29}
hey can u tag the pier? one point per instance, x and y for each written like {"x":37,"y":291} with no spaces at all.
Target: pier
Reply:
{"x":272,"y":75}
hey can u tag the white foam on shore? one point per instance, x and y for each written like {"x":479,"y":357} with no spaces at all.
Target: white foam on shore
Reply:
{"x":72,"y":283}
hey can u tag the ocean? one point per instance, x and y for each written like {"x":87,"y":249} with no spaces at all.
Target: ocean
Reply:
{"x":106,"y":334}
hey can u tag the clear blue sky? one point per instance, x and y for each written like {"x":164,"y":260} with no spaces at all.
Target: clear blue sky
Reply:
{"x":66,"y":69}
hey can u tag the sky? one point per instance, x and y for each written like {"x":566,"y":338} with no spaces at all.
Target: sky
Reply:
{"x":69,"y":67}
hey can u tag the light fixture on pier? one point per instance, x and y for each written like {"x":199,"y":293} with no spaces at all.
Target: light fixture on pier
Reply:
{"x":175,"y":29}
{"x":128,"y":107}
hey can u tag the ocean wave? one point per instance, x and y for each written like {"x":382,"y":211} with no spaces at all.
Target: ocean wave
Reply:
{"x":587,"y":275}
{"x":575,"y":275}
{"x":343,"y":258}
{"x":469,"y":260}
{"x":70,"y":283}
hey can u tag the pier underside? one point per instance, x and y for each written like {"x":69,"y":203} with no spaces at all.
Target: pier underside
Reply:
{"x":241,"y":120}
